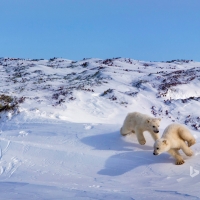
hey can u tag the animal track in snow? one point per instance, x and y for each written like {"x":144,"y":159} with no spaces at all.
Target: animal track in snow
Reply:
{"x":88,"y":127}
{"x":23,"y":133}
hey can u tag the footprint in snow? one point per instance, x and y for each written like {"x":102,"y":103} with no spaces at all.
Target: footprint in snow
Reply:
{"x":88,"y":127}
{"x":23,"y":133}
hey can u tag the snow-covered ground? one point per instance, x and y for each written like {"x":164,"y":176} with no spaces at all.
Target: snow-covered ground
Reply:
{"x":62,"y":140}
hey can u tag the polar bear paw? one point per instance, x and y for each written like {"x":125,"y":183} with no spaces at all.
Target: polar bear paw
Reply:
{"x":191,"y":142}
{"x":142,"y":142}
{"x":180,"y":162}
{"x":190,"y":153}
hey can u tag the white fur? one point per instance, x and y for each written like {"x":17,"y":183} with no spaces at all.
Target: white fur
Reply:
{"x":173,"y":139}
{"x":138,"y":123}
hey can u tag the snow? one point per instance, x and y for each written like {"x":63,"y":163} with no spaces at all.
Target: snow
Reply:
{"x":63,"y":140}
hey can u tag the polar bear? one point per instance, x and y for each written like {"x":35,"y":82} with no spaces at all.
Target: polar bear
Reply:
{"x":137,"y":123}
{"x":173,"y":139}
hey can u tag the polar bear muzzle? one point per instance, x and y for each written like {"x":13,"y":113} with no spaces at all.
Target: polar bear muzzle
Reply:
{"x":155,"y":129}
{"x":155,"y":154}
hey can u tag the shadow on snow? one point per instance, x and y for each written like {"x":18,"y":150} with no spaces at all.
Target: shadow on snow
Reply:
{"x":123,"y":162}
{"x":112,"y":141}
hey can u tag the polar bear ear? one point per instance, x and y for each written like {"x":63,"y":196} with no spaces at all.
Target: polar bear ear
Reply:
{"x":148,"y":120}
{"x":159,"y":119}
{"x":164,"y":141}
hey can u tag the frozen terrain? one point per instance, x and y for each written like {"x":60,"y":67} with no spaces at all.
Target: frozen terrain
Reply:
{"x":60,"y":122}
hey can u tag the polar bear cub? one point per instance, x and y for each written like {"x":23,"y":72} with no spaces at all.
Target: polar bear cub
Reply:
{"x":137,"y":123}
{"x":173,"y":139}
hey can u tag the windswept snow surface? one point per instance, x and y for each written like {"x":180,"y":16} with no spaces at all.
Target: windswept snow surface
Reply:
{"x":63,"y":142}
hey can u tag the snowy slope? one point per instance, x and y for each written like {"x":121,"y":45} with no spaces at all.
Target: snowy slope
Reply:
{"x":63,"y":142}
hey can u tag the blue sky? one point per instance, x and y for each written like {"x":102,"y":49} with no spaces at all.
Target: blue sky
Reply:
{"x":152,"y":30}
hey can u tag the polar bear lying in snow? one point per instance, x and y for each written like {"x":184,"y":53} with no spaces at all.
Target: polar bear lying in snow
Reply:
{"x":138,"y":123}
{"x":173,"y":139}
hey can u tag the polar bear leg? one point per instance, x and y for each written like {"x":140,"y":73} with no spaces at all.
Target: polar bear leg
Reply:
{"x":177,"y":156}
{"x":140,"y":137}
{"x":187,"y":136}
{"x":186,"y":149}
{"x":124,"y":131}
{"x":155,"y":136}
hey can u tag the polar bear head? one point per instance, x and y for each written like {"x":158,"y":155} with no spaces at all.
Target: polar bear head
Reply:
{"x":160,"y":146}
{"x":153,"y":124}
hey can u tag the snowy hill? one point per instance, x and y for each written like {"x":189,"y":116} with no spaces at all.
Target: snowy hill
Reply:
{"x":60,"y":122}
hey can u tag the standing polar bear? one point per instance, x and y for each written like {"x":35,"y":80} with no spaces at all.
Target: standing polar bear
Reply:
{"x":172,"y":140}
{"x":137,"y":123}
